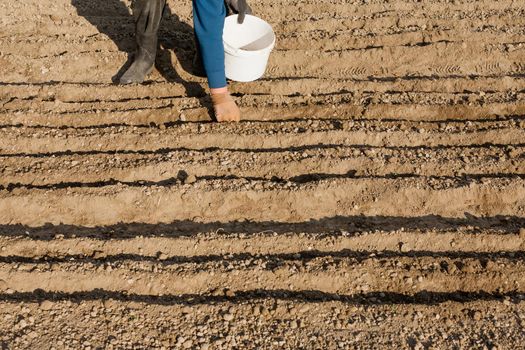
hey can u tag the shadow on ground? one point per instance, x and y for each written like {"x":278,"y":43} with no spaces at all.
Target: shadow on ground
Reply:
{"x":330,"y":226}
{"x":273,"y":261}
{"x":114,"y":19}
{"x":313,"y":296}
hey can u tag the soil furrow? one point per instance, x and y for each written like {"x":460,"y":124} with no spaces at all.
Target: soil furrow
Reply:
{"x":415,"y":61}
{"x":429,"y":238}
{"x":228,"y":200}
{"x":341,"y":276}
{"x":267,"y":102}
{"x":344,"y":39}
{"x":300,"y":134}
{"x":285,"y":164}
{"x":105,"y":93}
{"x":280,"y":112}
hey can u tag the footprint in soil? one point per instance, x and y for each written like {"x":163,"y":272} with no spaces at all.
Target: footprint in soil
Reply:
{"x":114,"y":18}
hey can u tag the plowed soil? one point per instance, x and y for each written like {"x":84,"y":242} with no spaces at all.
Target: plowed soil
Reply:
{"x":372,"y":198}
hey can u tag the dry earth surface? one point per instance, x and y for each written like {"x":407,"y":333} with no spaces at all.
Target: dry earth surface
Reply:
{"x":373,"y":198}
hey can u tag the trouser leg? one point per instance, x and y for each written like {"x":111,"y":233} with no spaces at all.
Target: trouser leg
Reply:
{"x":208,"y":20}
{"x":147,"y":14}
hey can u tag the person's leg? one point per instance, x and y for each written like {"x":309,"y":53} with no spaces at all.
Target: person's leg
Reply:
{"x":208,"y":19}
{"x":148,"y":14}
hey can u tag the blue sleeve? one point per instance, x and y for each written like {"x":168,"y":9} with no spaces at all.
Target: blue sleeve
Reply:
{"x":208,"y":21}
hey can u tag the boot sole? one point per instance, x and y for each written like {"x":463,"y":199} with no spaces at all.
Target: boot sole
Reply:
{"x":127,"y":82}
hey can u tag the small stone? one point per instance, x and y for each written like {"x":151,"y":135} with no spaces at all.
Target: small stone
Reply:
{"x":256,"y":310}
{"x":190,"y":179}
{"x":522,"y":232}
{"x":109,"y":303}
{"x":293,"y":324}
{"x":304,"y":309}
{"x":514,"y":153}
{"x":477,"y":315}
{"x":97,"y":254}
{"x":491,"y":265}
{"x":227,"y":317}
{"x":205,"y":346}
{"x":186,"y":310}
{"x":22,"y":324}
{"x":33,"y":335}
{"x":46,"y":305}
{"x":187,"y":344}
{"x":403,"y":247}
{"x":162,"y":256}
{"x":451,"y":268}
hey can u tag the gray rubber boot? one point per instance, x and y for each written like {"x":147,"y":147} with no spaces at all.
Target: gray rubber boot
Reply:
{"x":148,"y":14}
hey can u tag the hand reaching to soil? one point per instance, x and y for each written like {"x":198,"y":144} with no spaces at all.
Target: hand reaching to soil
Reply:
{"x":226,"y":110}
{"x":239,"y":7}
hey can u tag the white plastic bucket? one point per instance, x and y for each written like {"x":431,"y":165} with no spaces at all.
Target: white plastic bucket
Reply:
{"x":247,"y":47}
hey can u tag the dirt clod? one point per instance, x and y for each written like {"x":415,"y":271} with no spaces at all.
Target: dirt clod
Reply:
{"x":190,"y":179}
{"x":46,"y":305}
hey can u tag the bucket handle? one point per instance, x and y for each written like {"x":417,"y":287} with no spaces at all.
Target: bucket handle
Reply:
{"x":230,"y":49}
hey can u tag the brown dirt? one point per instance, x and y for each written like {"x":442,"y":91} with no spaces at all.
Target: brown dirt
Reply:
{"x":373,"y":197}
